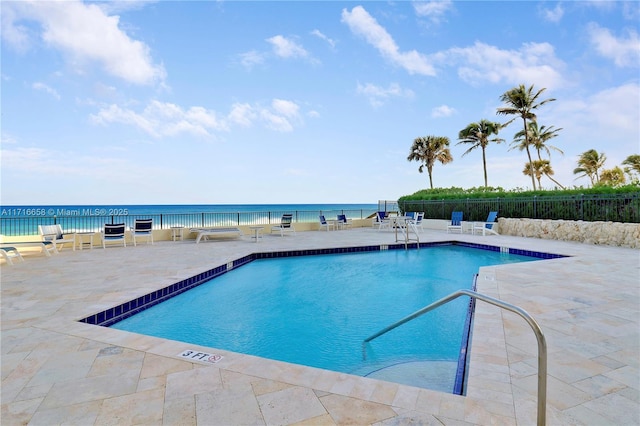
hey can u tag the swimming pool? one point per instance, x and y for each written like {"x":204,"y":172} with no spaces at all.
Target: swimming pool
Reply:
{"x":316,"y":311}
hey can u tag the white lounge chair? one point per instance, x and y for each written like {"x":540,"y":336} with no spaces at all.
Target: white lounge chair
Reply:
{"x":205,"y":233}
{"x":486,"y":227}
{"x":286,"y":225}
{"x":142,"y":228}
{"x":381,"y":220}
{"x":417,"y":221}
{"x":325,"y":224}
{"x":9,"y":253}
{"x":54,"y":234}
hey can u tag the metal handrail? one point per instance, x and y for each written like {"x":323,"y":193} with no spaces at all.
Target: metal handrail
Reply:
{"x":542,"y":343}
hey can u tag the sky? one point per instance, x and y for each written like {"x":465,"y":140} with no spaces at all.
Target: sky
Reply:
{"x":238,"y":102}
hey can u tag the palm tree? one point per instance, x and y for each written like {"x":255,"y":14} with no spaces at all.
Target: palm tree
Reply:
{"x":612,"y":177}
{"x":428,"y":150}
{"x":588,"y":165}
{"x":477,"y":134}
{"x":522,"y":101}
{"x":540,"y":168}
{"x":633,"y":166}
{"x":538,"y":136}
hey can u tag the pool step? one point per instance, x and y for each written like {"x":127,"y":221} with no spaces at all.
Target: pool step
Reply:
{"x":434,"y":375}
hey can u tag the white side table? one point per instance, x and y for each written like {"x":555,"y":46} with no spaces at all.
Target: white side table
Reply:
{"x":257,"y":232}
{"x":177,"y":232}
{"x":78,"y":239}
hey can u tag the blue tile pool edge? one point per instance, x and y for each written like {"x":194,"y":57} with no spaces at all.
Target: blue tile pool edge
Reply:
{"x":115,"y":314}
{"x":463,"y":360}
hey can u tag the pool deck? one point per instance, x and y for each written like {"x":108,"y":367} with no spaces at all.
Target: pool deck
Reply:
{"x":56,"y":370}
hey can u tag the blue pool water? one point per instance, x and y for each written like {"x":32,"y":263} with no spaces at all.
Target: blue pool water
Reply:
{"x":317,"y":310}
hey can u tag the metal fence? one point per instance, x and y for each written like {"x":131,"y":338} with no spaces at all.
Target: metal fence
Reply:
{"x":21,"y":225}
{"x":590,"y":208}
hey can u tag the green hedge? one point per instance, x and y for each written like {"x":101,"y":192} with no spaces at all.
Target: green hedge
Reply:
{"x":593,"y":204}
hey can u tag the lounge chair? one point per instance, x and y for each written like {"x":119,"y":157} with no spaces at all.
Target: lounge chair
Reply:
{"x":325,"y":224}
{"x":286,"y":225}
{"x":487,"y":226}
{"x":54,"y":234}
{"x":380,"y":221}
{"x":8,"y":253}
{"x":205,"y":233}
{"x":113,"y":233}
{"x":456,"y":222}
{"x":417,"y":221}
{"x":142,"y":228}
{"x":343,"y":222}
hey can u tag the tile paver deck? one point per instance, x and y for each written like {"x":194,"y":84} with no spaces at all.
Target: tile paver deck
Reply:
{"x":56,"y":370}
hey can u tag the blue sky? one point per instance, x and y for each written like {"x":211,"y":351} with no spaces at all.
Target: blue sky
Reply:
{"x":299,"y":102}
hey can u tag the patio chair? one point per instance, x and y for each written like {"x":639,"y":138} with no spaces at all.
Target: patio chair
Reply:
{"x":113,"y":233}
{"x":417,"y":220}
{"x":286,"y":225}
{"x":325,"y":224}
{"x":486,"y":226}
{"x":142,"y":228}
{"x":380,"y":221}
{"x":456,"y":222}
{"x":10,"y":253}
{"x":343,"y":222}
{"x":54,"y":234}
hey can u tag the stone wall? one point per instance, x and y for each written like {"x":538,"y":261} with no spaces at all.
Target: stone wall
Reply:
{"x":600,"y":233}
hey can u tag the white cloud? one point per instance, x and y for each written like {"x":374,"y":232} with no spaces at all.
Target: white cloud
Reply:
{"x":320,"y":35}
{"x":85,"y":34}
{"x":242,"y":114}
{"x":163,"y":119}
{"x":434,"y":9}
{"x":287,"y":48}
{"x":160,"y":119}
{"x":610,"y":115}
{"x":553,"y":15}
{"x":624,"y":51}
{"x":442,"y":111}
{"x":249,"y":59}
{"x":532,"y":63}
{"x":281,"y":116}
{"x":47,"y":89}
{"x":377,"y":95}
{"x":364,"y":25}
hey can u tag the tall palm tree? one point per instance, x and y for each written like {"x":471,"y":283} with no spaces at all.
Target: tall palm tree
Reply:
{"x":478,"y":134}
{"x":522,"y":102}
{"x":633,"y":166}
{"x":428,"y":150}
{"x":588,"y":165}
{"x":538,"y":137}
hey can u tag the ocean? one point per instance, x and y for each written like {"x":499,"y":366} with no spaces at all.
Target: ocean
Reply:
{"x":24,"y":220}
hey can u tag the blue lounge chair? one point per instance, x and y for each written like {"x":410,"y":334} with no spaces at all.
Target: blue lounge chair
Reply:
{"x":487,"y":226}
{"x":325,"y":224}
{"x":380,"y":220}
{"x":456,"y":222}
{"x":142,"y":228}
{"x":113,"y":233}
{"x":343,"y":222}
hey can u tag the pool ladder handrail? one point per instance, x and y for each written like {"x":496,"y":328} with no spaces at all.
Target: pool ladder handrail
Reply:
{"x":542,"y":343}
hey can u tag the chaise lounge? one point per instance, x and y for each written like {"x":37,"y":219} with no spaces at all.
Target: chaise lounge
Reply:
{"x":205,"y":233}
